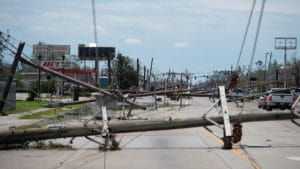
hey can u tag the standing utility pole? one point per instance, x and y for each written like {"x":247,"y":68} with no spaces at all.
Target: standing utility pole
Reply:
{"x":109,"y":71}
{"x":285,"y":43}
{"x":265,"y":74}
{"x":144,"y":77}
{"x":62,"y":80}
{"x":269,"y":68}
{"x":39,"y":81}
{"x":181,"y":84}
{"x":150,"y":73}
{"x":96,"y":41}
{"x":138,"y":70}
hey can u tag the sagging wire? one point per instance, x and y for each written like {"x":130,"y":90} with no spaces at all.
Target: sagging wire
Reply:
{"x":256,"y":39}
{"x":15,"y":41}
{"x":245,"y":35}
{"x":14,"y":47}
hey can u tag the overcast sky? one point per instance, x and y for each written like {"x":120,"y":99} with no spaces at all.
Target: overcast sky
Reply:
{"x":197,"y":35}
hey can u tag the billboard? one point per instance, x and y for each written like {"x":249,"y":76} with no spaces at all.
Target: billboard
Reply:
{"x":90,"y":53}
{"x":51,"y":49}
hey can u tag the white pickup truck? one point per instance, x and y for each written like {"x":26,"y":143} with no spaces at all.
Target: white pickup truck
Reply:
{"x":279,"y":98}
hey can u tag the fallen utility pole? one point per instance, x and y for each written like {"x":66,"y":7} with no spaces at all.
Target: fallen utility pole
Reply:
{"x":11,"y":75}
{"x":78,"y":82}
{"x":22,"y":136}
{"x":167,"y":92}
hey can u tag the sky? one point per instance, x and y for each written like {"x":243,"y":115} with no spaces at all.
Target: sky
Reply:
{"x":195,"y":35}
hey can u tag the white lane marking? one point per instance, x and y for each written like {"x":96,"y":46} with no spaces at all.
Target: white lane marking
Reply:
{"x":295,"y":158}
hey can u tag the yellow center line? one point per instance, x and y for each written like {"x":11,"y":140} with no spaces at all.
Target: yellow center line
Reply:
{"x":235,"y":150}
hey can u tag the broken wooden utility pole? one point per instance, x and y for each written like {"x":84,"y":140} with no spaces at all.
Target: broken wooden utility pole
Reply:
{"x":11,"y":75}
{"x":22,"y":136}
{"x":80,"y":83}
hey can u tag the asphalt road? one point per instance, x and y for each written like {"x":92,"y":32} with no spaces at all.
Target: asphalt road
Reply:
{"x":267,"y":145}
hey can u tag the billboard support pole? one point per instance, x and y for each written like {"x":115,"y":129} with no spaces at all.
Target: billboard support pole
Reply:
{"x":109,"y":71}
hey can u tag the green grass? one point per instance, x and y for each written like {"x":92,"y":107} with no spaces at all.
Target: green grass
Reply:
{"x":76,"y":106}
{"x":41,"y":114}
{"x":23,"y":106}
{"x":50,"y":112}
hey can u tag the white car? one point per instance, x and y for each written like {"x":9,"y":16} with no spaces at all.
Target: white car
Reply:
{"x":280,"y":98}
{"x":296,"y":91}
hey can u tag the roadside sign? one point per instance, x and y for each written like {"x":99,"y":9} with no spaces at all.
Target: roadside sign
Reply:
{"x":56,"y":64}
{"x":51,"y":49}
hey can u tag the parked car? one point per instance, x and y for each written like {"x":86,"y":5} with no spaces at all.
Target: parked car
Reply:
{"x":296,"y":91}
{"x":236,"y":92}
{"x":262,"y":100}
{"x":279,"y":98}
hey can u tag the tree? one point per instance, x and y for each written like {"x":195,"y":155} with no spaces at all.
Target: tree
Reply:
{"x":126,"y":75}
{"x":295,"y":70}
{"x":4,"y":38}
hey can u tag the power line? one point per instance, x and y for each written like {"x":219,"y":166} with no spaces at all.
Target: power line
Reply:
{"x":256,"y":38}
{"x":245,"y":35}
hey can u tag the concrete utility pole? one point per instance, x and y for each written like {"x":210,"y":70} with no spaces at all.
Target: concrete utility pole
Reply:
{"x":285,"y":43}
{"x":11,"y":75}
{"x":21,"y":136}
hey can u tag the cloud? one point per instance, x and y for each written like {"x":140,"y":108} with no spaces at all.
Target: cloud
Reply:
{"x":181,"y":45}
{"x":133,"y":41}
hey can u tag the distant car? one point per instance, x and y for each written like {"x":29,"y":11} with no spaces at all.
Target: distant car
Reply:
{"x":236,"y":92}
{"x":250,"y":91}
